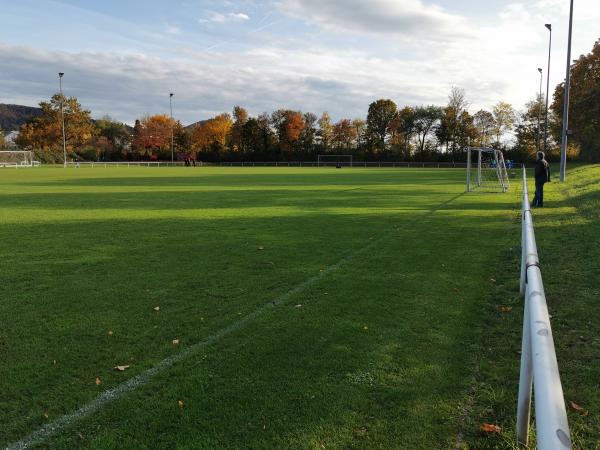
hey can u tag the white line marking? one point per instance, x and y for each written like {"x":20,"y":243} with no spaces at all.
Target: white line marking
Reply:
{"x":127,"y":386}
{"x":42,"y":434}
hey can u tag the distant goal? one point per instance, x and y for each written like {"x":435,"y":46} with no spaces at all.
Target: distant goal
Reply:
{"x":486,"y":170}
{"x":17,"y":158}
{"x":334,"y":160}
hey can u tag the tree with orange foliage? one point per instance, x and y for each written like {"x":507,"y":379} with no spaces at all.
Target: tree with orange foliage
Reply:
{"x":153,"y":133}
{"x":45,"y":131}
{"x":213,"y":134}
{"x":344,"y":134}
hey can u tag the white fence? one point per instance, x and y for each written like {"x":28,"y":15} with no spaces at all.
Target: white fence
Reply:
{"x":539,"y":368}
{"x":424,"y":165}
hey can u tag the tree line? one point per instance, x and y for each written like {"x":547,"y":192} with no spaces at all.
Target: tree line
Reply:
{"x":388,"y":132}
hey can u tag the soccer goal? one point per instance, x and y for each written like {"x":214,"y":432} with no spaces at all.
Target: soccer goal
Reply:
{"x":334,"y":160}
{"x":486,"y":170}
{"x":17,"y":158}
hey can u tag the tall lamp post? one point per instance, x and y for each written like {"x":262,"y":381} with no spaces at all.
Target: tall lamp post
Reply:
{"x":537,"y":142}
{"x":172,"y":148}
{"x":62,"y":116}
{"x":549,"y":27}
{"x":565,"y":120}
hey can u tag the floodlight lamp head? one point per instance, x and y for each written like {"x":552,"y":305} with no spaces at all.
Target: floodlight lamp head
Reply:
{"x":60,"y":74}
{"x":549,"y":26}
{"x":171,"y":94}
{"x":539,"y":69}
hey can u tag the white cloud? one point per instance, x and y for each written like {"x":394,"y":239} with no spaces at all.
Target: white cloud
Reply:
{"x":409,"y":18}
{"x":224,"y":18}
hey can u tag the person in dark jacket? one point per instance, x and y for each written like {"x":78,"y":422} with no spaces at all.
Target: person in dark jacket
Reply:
{"x":542,"y":176}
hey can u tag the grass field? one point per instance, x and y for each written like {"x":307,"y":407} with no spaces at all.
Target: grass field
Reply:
{"x":313,"y":308}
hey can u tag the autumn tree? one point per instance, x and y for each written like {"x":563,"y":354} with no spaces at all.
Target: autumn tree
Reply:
{"x":309,"y":132}
{"x":343,"y":135}
{"x":112,"y":138}
{"x":240,"y":117}
{"x":486,"y":126}
{"x":325,"y":131}
{"x":380,"y":115}
{"x":152,"y":134}
{"x":584,"y":110}
{"x":425,"y":118}
{"x":44,"y":132}
{"x":360,"y":127}
{"x":505,"y":116}
{"x":212,"y":135}
{"x":526,"y":131}
{"x":403,"y":130}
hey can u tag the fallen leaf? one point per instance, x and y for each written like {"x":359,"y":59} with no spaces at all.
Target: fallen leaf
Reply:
{"x":157,"y":308}
{"x":46,"y":415}
{"x":54,"y":362}
{"x":261,"y":248}
{"x":490,"y":428}
{"x":175,"y":341}
{"x":180,"y":403}
{"x":578,"y":409}
{"x":110,"y":333}
{"x":298,"y":306}
{"x":98,"y":381}
{"x":493,"y":280}
{"x":365,"y":328}
{"x":121,"y":368}
{"x":504,"y":309}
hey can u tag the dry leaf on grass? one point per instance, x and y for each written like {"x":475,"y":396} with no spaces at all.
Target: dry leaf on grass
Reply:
{"x":504,"y":309}
{"x":46,"y":416}
{"x":490,"y":428}
{"x":578,"y":409}
{"x":157,"y":308}
{"x":121,"y":368}
{"x":110,"y":333}
{"x":175,"y":341}
{"x":261,"y":248}
{"x":98,"y":381}
{"x":298,"y":306}
{"x":180,"y":403}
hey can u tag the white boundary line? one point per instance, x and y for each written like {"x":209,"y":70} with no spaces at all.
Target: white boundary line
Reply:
{"x":43,"y":433}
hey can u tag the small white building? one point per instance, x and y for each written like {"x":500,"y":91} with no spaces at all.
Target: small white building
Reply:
{"x":9,"y":139}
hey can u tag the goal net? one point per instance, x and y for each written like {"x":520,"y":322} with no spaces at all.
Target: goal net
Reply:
{"x":334,"y":160}
{"x":17,"y":158}
{"x":486,"y":170}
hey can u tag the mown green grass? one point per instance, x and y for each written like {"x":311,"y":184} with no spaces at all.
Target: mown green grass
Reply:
{"x":385,"y":350}
{"x":568,"y":238}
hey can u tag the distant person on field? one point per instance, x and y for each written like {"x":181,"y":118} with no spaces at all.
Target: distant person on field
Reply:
{"x":542,"y":176}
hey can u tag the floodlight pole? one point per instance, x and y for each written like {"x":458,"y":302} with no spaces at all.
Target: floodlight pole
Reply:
{"x":565,"y":120}
{"x":549,"y":27}
{"x":62,"y":116}
{"x":172,"y":148}
{"x":537,"y":140}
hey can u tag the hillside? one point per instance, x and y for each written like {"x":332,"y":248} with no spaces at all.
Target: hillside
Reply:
{"x":13,"y":116}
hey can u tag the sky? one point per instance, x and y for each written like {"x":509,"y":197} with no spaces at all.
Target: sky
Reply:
{"x":123,"y":58}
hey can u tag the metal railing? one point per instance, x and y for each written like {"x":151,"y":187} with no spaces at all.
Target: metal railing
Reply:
{"x":539,"y":368}
{"x":414,"y":164}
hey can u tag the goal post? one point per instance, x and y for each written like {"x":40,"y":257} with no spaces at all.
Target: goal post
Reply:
{"x":334,"y":160}
{"x":486,"y":170}
{"x":17,"y":158}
